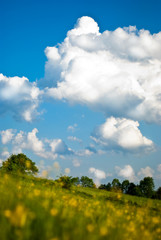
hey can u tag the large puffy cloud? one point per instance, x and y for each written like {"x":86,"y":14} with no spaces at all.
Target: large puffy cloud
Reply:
{"x":117,"y":72}
{"x":123,"y":135}
{"x":20,"y":97}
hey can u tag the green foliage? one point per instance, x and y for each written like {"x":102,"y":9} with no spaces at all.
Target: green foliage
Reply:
{"x":19,"y":164}
{"x":105,"y":187}
{"x":87,"y":182}
{"x":67,"y":182}
{"x":125,"y":186}
{"x":147,"y":187}
{"x":116,"y":185}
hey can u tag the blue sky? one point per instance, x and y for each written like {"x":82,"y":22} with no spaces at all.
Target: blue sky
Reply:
{"x":80,"y":88}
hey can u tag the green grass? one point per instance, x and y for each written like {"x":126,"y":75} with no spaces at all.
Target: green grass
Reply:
{"x":37,"y":209}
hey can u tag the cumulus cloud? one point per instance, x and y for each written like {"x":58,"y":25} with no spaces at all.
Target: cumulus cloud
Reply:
{"x":20,"y":97}
{"x":48,"y":148}
{"x":59,"y":147}
{"x":117,"y":72}
{"x":126,"y":172}
{"x":123,"y":135}
{"x":98,"y":173}
{"x":6,"y":135}
{"x":146,"y":172}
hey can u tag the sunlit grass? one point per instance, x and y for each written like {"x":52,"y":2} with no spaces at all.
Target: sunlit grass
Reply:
{"x":38,"y":209}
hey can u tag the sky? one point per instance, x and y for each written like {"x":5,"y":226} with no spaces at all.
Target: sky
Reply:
{"x":80,"y":87}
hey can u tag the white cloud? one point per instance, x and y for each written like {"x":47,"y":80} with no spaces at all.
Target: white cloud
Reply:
{"x":48,"y":148}
{"x":84,"y":152}
{"x":72,"y":127}
{"x":101,"y":71}
{"x":76,"y":163}
{"x":146,"y":172}
{"x":5,"y":154}
{"x":99,"y":174}
{"x":6,"y":135}
{"x":126,"y":172}
{"x":20,"y":97}
{"x":59,"y":147}
{"x":28,"y":141}
{"x":123,"y":135}
{"x":75,"y":139}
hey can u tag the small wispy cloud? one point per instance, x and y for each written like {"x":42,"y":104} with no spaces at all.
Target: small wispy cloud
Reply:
{"x":72,"y":128}
{"x":74,"y":139}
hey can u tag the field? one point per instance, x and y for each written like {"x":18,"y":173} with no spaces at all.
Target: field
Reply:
{"x":39,"y":210}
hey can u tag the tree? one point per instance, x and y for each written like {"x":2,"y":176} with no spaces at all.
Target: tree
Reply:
{"x":105,"y":187}
{"x":116,"y":185}
{"x":75,"y":181}
{"x":147,"y":187}
{"x":19,"y":163}
{"x":87,"y":182}
{"x":108,"y":186}
{"x":125,"y":185}
{"x":131,"y":189}
{"x":67,"y":182}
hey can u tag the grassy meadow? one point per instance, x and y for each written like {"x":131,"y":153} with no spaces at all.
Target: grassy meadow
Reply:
{"x":38,"y":209}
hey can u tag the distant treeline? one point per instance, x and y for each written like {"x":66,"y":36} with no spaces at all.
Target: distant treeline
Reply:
{"x":144,"y":189}
{"x":21,"y":164}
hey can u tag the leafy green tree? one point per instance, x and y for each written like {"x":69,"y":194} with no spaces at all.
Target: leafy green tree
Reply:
{"x":108,"y":186}
{"x":65,"y":182}
{"x":19,"y":163}
{"x":87,"y":182}
{"x":131,"y":189}
{"x":125,"y":185}
{"x":105,"y":187}
{"x":116,"y":185}
{"x":75,"y":181}
{"x":147,"y":187}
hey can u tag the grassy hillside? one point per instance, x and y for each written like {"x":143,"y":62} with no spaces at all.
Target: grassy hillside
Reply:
{"x":39,"y":210}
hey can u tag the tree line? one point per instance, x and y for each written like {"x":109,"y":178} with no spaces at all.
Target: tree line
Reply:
{"x":21,"y":164}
